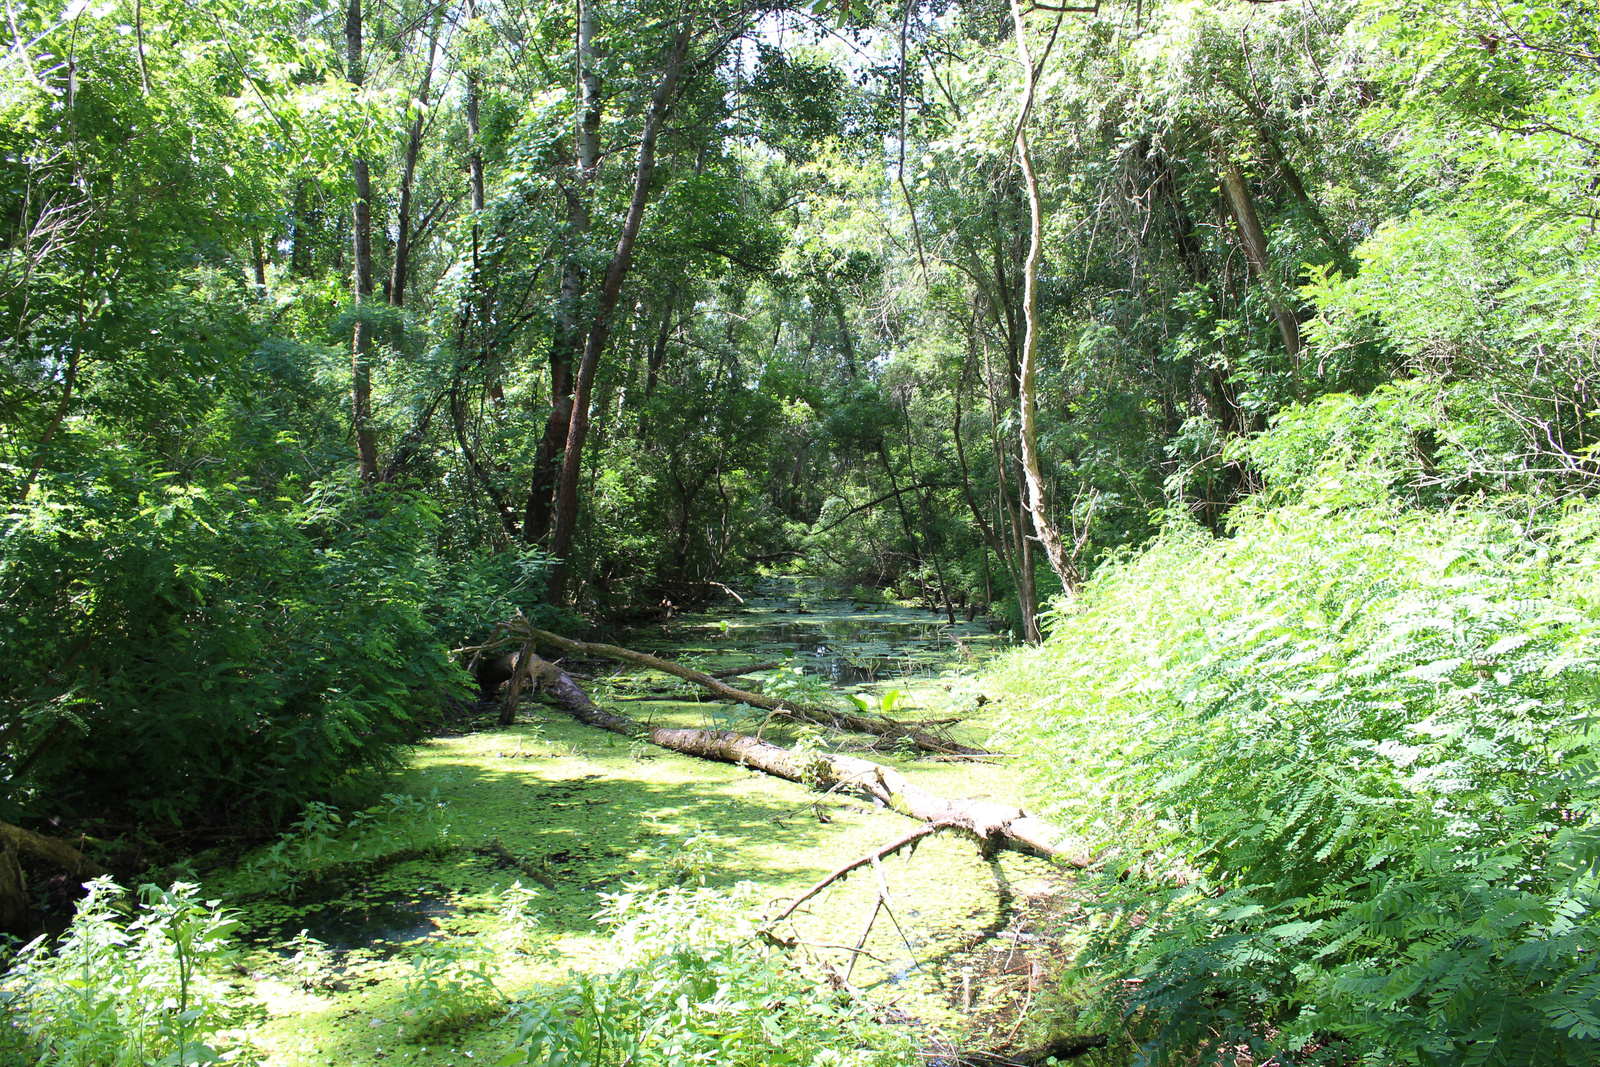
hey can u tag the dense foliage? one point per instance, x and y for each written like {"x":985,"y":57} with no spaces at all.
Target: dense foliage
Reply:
{"x":1263,"y":336}
{"x":1353,"y":798}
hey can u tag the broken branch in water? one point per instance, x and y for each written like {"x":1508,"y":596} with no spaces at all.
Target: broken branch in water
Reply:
{"x":519,"y":630}
{"x":874,"y":856}
{"x":1001,"y":825}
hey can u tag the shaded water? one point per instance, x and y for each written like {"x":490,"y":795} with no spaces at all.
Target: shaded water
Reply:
{"x":378,"y":922}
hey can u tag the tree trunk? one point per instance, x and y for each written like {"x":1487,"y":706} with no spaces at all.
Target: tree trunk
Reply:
{"x":361,"y":342}
{"x":301,"y":241}
{"x":13,"y":891}
{"x":568,"y":341}
{"x":566,"y":512}
{"x":1020,"y":548}
{"x":1237,"y":192}
{"x":474,"y":134}
{"x":14,"y":840}
{"x":990,"y":537}
{"x":398,"y":275}
{"x":1002,"y":825}
{"x":1035,"y":500}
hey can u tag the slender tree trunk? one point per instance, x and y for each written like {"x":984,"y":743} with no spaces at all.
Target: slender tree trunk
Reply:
{"x":927,"y":520}
{"x":474,"y":133}
{"x":658,"y":350}
{"x":1035,"y":499}
{"x":408,"y":169}
{"x":300,"y":246}
{"x":570,"y":327}
{"x":566,"y":516}
{"x":1237,"y":192}
{"x":258,"y":261}
{"x":361,"y":342}
{"x":991,"y":538}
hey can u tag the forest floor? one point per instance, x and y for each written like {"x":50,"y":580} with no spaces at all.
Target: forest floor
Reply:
{"x":587,"y":814}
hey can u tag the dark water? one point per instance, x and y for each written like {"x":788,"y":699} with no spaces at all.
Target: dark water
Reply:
{"x":381,"y":922}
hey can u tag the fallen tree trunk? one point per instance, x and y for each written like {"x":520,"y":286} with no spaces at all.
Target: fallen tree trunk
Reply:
{"x":518,"y":629}
{"x":995,"y":824}
{"x":14,"y":887}
{"x":736,"y":672}
{"x":50,"y":850}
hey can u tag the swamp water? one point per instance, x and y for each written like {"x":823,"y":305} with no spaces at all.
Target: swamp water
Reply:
{"x":576,"y":813}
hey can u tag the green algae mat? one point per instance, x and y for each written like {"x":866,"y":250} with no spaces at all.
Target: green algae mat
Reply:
{"x":580,"y":817}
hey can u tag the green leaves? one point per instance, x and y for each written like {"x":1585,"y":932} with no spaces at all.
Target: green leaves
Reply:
{"x":1358,"y":734}
{"x":698,"y":986}
{"x":128,"y":994}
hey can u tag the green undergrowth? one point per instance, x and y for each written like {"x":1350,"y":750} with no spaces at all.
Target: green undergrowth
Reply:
{"x":1343,"y":764}
{"x":549,"y":893}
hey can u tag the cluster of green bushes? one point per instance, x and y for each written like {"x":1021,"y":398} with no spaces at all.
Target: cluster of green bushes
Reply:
{"x":692,"y":985}
{"x":172,"y":649}
{"x":1343,"y":765}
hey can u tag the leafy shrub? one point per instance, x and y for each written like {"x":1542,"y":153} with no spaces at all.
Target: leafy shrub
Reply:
{"x":695,"y":987}
{"x":1345,"y":759}
{"x":519,"y":921}
{"x":451,"y":984}
{"x":171,"y":649}
{"x":117,"y":994}
{"x":322,"y":837}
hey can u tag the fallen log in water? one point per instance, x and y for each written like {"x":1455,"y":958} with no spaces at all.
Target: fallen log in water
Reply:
{"x":14,"y":887}
{"x":518,"y":629}
{"x":995,"y":824}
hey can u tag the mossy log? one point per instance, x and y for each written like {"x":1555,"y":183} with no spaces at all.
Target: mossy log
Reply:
{"x":1001,"y":825}
{"x":14,"y":840}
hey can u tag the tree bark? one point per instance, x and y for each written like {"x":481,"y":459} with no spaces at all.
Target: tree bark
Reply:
{"x":1237,"y":192}
{"x":398,"y":275}
{"x":361,"y":341}
{"x":996,"y":824}
{"x":474,"y":133}
{"x":569,"y":332}
{"x":566,"y":512}
{"x":1035,"y":498}
{"x":991,"y":538}
{"x":14,"y":840}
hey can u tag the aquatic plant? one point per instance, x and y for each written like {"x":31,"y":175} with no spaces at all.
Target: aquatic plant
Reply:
{"x":451,"y":984}
{"x":322,"y":837}
{"x":519,"y":921}
{"x":883,"y":705}
{"x":697,"y":986}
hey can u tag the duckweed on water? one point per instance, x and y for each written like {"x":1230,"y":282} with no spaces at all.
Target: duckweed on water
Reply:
{"x":425,"y":954}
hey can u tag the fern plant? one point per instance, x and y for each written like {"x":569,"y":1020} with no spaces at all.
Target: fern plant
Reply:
{"x":1345,"y":757}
